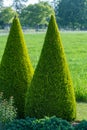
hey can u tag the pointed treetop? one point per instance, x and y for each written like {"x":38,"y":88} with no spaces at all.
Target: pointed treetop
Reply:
{"x":52,"y":17}
{"x":53,"y":30}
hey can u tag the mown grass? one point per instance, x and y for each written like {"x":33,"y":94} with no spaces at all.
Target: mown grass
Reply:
{"x":75,"y":45}
{"x":81,"y":111}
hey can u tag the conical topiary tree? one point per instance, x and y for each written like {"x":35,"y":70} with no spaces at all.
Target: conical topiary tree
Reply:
{"x":16,"y":70}
{"x":51,"y":91}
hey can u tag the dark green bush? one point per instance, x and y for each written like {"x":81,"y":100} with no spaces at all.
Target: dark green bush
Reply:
{"x":51,"y":91}
{"x":22,"y":124}
{"x":81,"y":126}
{"x":47,"y":123}
{"x":15,"y":69}
{"x":52,"y":123}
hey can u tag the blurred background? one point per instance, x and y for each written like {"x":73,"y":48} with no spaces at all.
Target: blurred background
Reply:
{"x":35,"y":14}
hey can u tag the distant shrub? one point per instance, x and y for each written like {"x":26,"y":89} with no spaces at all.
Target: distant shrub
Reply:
{"x":81,"y":93}
{"x":52,"y":123}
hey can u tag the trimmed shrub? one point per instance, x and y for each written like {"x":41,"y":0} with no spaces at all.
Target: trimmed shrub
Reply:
{"x":51,"y":91}
{"x":46,"y":123}
{"x":15,"y":69}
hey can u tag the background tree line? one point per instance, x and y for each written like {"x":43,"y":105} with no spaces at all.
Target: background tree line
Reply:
{"x":70,"y":14}
{"x":34,"y":16}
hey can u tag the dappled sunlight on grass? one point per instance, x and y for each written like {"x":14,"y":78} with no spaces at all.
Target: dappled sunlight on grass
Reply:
{"x":81,"y":111}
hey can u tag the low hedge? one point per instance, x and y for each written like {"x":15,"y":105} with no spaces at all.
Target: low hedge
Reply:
{"x":52,"y":123}
{"x":47,"y":123}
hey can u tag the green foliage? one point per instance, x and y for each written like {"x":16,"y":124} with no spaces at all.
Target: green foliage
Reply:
{"x":81,"y":126}
{"x":72,"y":14}
{"x":6,"y":16}
{"x":47,"y":123}
{"x":22,"y":124}
{"x":81,"y":94}
{"x":51,"y":91}
{"x":76,"y":58}
{"x":7,"y":110}
{"x":52,"y":123}
{"x":15,"y":70}
{"x":36,"y":15}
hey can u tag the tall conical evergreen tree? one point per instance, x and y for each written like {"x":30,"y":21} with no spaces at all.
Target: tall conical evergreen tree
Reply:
{"x":16,"y":70}
{"x":51,"y":91}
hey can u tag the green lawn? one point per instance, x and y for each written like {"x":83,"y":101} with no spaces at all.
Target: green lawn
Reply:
{"x":75,"y":45}
{"x":81,"y":111}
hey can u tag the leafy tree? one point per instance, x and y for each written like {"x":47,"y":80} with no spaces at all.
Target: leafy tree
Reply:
{"x":15,"y":69}
{"x":51,"y":91}
{"x":73,"y":14}
{"x":36,"y":15}
{"x":6,"y":16}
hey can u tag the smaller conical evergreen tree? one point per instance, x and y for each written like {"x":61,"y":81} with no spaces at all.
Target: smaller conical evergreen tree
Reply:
{"x":16,"y":70}
{"x":51,"y":91}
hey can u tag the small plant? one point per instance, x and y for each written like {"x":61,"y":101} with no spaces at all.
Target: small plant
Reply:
{"x":7,"y":110}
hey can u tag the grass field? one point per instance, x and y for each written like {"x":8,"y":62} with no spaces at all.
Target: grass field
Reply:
{"x":81,"y":111}
{"x":75,"y":45}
